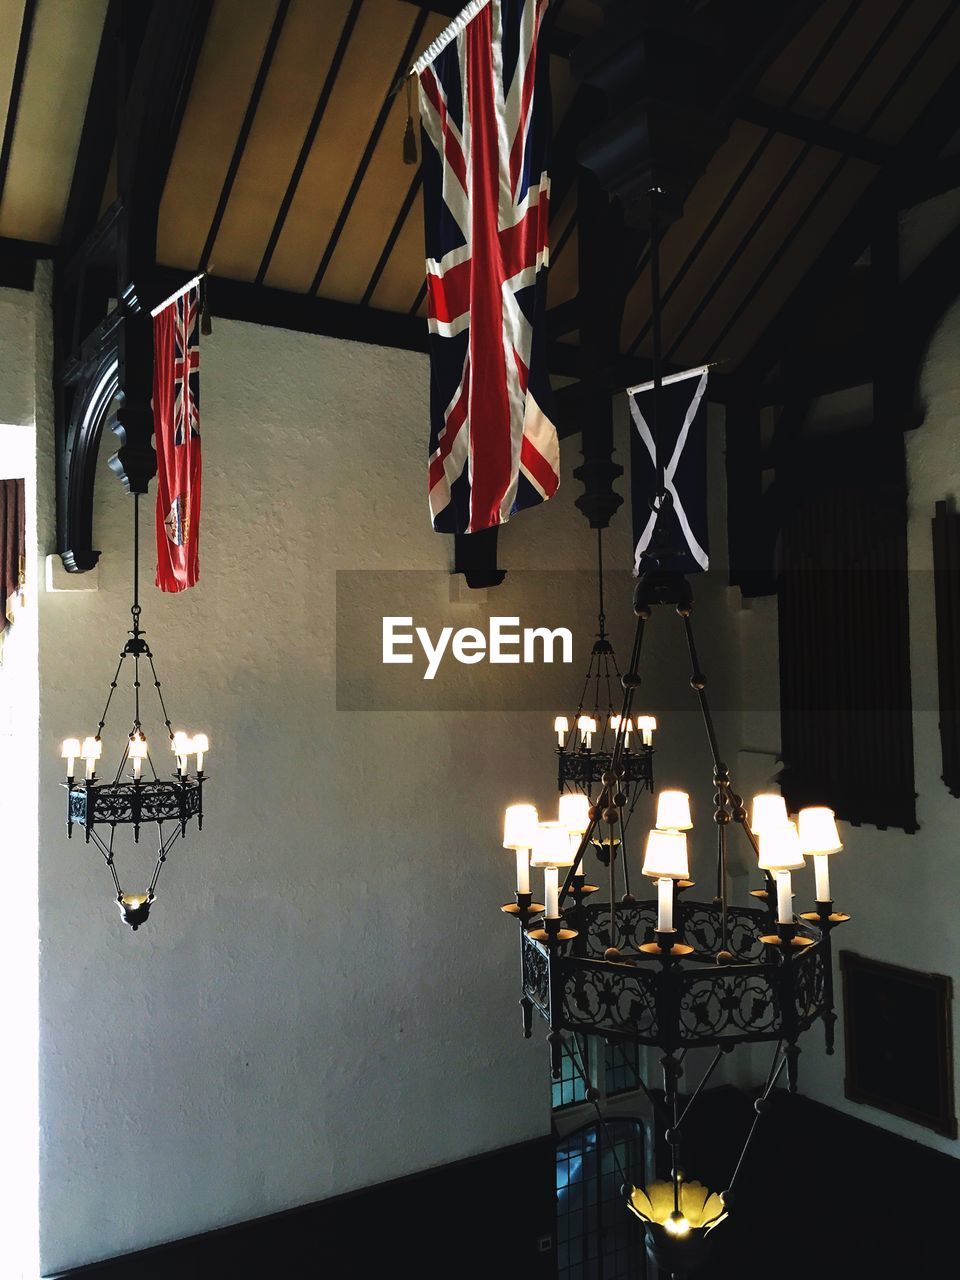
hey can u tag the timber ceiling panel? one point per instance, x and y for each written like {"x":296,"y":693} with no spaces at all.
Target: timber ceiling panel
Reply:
{"x":288,"y":169}
{"x":57,"y":45}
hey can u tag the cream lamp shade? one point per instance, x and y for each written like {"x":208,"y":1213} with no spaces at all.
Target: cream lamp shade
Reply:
{"x":551,"y":846}
{"x":646,"y":726}
{"x":769,"y":810}
{"x":92,"y":749}
{"x":673,"y":811}
{"x":137,"y":750}
{"x":780,"y":848}
{"x":665,"y":857}
{"x":574,"y":812}
{"x":519,"y":826}
{"x":818,"y":831}
{"x":70,"y":749}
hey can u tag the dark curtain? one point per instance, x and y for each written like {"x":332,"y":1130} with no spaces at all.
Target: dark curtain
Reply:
{"x":12,"y":545}
{"x":845,"y":696}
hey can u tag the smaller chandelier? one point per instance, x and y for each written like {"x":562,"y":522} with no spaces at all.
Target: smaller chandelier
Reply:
{"x":138,"y":795}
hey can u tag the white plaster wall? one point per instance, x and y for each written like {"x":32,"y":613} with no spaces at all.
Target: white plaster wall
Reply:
{"x":325,"y":995}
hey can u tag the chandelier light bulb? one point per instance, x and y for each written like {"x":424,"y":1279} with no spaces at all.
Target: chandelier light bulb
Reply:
{"x":91,"y":751}
{"x":551,"y":846}
{"x":69,"y":752}
{"x":665,"y":855}
{"x":646,"y":726}
{"x":677,"y":1225}
{"x":201,"y":745}
{"x":769,"y":810}
{"x":182,"y":747}
{"x":574,"y":812}
{"x":780,"y":848}
{"x":818,"y":830}
{"x":137,"y":752}
{"x":561,"y":727}
{"x":673,"y":811}
{"x":520,"y":822}
{"x":588,"y":727}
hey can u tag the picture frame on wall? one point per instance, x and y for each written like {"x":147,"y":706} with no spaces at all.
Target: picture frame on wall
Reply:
{"x":899,"y":1041}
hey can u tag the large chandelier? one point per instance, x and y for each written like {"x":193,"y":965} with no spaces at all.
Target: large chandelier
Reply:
{"x":669,"y":972}
{"x":137,"y":796}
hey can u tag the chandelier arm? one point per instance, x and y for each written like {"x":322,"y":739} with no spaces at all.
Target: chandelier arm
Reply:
{"x":698,"y":682}
{"x":156,"y":685}
{"x":655,"y":308}
{"x":164,"y":849}
{"x":760,"y":1107}
{"x":705,"y":1077}
{"x":623,"y":852}
{"x":113,"y":688}
{"x":107,"y":852}
{"x":655,"y":1105}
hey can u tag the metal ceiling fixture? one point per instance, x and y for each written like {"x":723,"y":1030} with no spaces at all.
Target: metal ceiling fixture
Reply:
{"x":133,"y":799}
{"x":671,"y":973}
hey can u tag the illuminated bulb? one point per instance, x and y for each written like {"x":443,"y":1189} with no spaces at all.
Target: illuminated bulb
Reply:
{"x":588,"y":727}
{"x":817,"y":827}
{"x":201,"y":744}
{"x":574,"y":812}
{"x":673,"y":811}
{"x":615,"y":722}
{"x":182,"y":747}
{"x":551,"y":846}
{"x":519,"y":831}
{"x":677,"y":1224}
{"x":134,"y":900}
{"x":69,"y":752}
{"x":780,"y":848}
{"x":769,"y":810}
{"x":561,"y":727}
{"x":137,"y":752}
{"x":646,"y":726}
{"x":665,"y":855}
{"x":91,"y":752}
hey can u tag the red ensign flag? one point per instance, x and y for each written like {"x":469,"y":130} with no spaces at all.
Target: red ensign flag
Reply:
{"x":176,"y":421}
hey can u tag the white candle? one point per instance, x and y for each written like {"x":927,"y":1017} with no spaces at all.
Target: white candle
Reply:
{"x":664,"y":905}
{"x":821,"y":869}
{"x":71,"y":760}
{"x":136,"y":767}
{"x":523,"y":871}
{"x":784,"y":898}
{"x":551,"y":893}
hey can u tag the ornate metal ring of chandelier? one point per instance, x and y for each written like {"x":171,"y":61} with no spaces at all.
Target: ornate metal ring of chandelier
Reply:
{"x":132,"y":799}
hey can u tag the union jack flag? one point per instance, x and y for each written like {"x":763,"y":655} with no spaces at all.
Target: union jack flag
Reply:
{"x":186,"y":366}
{"x":485,"y":115}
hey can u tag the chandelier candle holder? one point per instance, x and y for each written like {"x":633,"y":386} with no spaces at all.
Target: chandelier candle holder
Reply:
{"x":137,"y":796}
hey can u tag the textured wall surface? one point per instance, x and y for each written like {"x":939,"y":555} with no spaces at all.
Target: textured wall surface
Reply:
{"x":325,"y":995}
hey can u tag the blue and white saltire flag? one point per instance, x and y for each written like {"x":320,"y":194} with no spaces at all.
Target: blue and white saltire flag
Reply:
{"x":682,"y":434}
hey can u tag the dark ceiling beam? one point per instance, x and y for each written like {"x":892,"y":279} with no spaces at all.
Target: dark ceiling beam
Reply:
{"x":16,"y":88}
{"x":559,"y":41}
{"x":17,"y":261}
{"x":817,"y":132}
{"x":399,"y":222}
{"x":413,"y":41}
{"x":326,"y":89}
{"x":256,"y":93}
{"x":914,"y":155}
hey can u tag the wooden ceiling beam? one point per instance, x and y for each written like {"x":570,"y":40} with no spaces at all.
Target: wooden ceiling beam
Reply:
{"x":16,"y":87}
{"x":816,"y":132}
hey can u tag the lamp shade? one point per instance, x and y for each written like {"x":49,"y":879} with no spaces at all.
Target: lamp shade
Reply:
{"x":645,"y":727}
{"x":673,"y":811}
{"x":561,"y":725}
{"x":780,"y":848}
{"x":552,"y":846}
{"x":519,"y":826}
{"x":574,"y":812}
{"x":137,"y":750}
{"x":70,"y":749}
{"x":201,"y":742}
{"x":92,"y":749}
{"x":587,"y":724}
{"x":769,"y":810}
{"x":818,"y":830}
{"x":665,"y":857}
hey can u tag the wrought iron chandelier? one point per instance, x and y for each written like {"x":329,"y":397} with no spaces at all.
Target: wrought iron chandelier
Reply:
{"x":132,"y":799}
{"x":670,"y":973}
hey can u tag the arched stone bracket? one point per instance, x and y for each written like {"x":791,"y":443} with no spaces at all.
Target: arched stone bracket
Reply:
{"x":92,"y":403}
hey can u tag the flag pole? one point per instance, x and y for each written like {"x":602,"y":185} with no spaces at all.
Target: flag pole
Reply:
{"x":178,"y":293}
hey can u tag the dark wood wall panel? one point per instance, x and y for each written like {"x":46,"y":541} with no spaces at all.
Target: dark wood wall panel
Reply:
{"x":845,"y":698}
{"x":946,"y":578}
